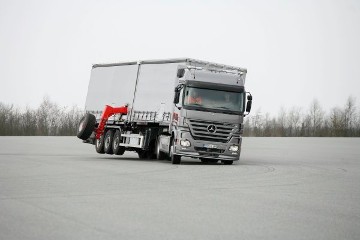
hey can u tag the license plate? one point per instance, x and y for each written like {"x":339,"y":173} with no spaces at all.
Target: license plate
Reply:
{"x":210,"y":146}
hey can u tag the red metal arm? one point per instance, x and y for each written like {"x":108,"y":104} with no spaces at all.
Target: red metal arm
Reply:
{"x":108,"y":112}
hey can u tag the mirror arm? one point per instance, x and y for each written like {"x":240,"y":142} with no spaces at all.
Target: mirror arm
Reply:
{"x":178,"y":107}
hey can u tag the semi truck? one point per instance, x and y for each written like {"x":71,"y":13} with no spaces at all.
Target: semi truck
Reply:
{"x":170,"y":108}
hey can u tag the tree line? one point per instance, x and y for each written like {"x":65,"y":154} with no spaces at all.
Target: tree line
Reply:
{"x":312,"y":122}
{"x":49,"y":119}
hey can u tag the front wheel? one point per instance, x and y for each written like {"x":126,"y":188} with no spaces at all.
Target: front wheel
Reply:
{"x":159,"y":154}
{"x":175,"y":159}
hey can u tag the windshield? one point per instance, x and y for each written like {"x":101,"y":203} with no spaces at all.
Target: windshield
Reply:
{"x":218,"y":100}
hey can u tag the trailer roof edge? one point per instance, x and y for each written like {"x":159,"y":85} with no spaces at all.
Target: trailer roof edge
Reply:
{"x":189,"y":61}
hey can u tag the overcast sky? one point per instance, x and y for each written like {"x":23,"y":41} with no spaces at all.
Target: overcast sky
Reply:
{"x":294,"y":51}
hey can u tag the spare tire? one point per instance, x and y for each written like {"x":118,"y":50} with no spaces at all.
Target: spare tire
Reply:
{"x":86,"y":126}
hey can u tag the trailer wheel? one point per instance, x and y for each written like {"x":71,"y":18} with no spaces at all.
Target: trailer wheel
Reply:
{"x":159,"y":154}
{"x":86,"y":126}
{"x":117,"y":149}
{"x":227,"y":162}
{"x":108,"y":140}
{"x":175,"y":159}
{"x":99,"y":145}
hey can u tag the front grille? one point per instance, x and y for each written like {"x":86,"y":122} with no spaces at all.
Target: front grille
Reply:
{"x":199,"y":130}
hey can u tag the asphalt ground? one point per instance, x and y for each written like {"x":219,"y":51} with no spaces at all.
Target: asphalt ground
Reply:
{"x":282,"y":188}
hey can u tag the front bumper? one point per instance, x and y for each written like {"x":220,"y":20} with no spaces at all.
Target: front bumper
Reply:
{"x":208,"y":149}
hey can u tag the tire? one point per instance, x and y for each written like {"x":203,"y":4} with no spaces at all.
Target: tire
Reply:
{"x":149,"y":153}
{"x":143,"y":154}
{"x":86,"y":126}
{"x":159,"y":154}
{"x":99,"y":145}
{"x":227,"y":162}
{"x":108,"y":140}
{"x":151,"y":150}
{"x":175,"y":159}
{"x":117,"y":150}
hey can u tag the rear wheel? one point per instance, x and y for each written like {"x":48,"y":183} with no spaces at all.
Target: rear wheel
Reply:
{"x":99,"y":145}
{"x":108,"y":140}
{"x":116,"y":148}
{"x":86,"y":126}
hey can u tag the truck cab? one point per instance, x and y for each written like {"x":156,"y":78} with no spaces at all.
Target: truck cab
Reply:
{"x":207,"y":119}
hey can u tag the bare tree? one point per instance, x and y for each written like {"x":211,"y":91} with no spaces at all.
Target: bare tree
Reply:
{"x":28,"y":122}
{"x":282,"y":122}
{"x":48,"y":119}
{"x":257,"y":123}
{"x":336,"y":122}
{"x":269,"y":125}
{"x":349,"y":116}
{"x":48,"y":116}
{"x":247,"y":127}
{"x":316,"y":115}
{"x":294,"y":121}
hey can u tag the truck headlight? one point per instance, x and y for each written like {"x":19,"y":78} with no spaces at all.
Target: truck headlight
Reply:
{"x":234,"y":148}
{"x":185,"y":143}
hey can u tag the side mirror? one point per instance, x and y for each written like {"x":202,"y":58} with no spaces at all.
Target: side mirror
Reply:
{"x":180,"y":72}
{"x":249,"y":103}
{"x":177,"y":97}
{"x":177,"y":93}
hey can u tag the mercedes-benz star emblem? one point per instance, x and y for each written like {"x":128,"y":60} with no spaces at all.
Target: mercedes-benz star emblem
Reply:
{"x":211,"y":128}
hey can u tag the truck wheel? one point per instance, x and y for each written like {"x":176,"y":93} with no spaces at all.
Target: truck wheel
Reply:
{"x":175,"y":159}
{"x":86,"y":126}
{"x":143,"y":154}
{"x":117,"y":149}
{"x":108,"y":140}
{"x":99,"y":145}
{"x":151,"y":150}
{"x":159,"y":154}
{"x":227,"y":162}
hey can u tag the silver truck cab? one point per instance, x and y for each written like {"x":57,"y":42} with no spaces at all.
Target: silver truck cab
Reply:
{"x":207,"y":118}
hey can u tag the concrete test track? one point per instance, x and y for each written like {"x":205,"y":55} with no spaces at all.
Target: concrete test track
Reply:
{"x":282,"y":188}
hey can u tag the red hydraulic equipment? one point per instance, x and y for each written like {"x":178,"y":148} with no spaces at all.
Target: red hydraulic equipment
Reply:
{"x":108,"y":112}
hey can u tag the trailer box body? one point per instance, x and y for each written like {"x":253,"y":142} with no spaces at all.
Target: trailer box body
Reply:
{"x":148,"y":90}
